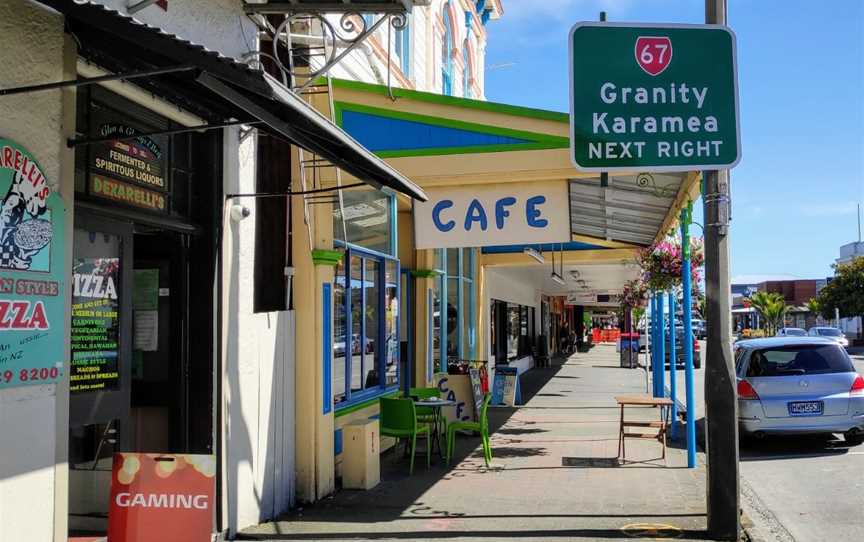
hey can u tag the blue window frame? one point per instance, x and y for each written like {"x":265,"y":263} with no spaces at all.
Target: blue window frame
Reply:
{"x":453,"y":325}
{"x":447,"y":54}
{"x":402,"y":45}
{"x":366,"y":326}
{"x":466,"y":72}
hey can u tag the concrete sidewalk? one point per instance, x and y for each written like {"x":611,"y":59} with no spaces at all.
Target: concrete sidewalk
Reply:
{"x":554,"y":476}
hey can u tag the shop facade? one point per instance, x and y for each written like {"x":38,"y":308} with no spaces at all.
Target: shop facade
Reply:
{"x":466,"y":300}
{"x":162,"y":286}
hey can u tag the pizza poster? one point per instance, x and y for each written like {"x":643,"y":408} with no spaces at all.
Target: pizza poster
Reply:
{"x":161,"y":498}
{"x":95,"y":325}
{"x":32,"y":321}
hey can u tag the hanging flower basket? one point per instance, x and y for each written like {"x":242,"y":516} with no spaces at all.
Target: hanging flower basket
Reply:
{"x":634,"y":294}
{"x":662,"y":263}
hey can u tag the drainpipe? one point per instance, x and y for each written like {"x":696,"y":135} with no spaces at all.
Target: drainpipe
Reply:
{"x":370,"y":57}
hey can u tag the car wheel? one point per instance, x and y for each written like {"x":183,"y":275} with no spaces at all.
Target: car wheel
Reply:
{"x":854,"y":439}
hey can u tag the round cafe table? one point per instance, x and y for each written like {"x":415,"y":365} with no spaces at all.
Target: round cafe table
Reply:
{"x":436,"y":405}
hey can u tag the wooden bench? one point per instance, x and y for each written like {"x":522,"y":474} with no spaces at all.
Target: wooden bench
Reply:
{"x":643,"y":400}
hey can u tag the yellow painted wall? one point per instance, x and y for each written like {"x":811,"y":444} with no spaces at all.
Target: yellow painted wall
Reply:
{"x":314,"y":430}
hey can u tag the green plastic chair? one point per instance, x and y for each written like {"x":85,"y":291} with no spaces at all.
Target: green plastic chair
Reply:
{"x":399,"y":420}
{"x":425,"y":414}
{"x":482,"y":427}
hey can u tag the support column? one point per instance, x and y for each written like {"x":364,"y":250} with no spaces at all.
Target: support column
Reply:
{"x":673,"y":359}
{"x":660,"y":374}
{"x":721,"y":405}
{"x":653,"y":342}
{"x":423,"y":280}
{"x":315,"y":423}
{"x":687,"y":321}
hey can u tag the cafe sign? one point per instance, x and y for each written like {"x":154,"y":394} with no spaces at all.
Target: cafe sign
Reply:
{"x":32,"y":302}
{"x":490,"y":215}
{"x":653,"y":97}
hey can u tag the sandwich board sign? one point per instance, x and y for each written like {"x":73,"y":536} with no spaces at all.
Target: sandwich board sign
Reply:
{"x":653,"y":97}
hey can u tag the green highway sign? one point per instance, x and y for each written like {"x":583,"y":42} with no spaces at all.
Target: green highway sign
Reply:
{"x":653,"y":97}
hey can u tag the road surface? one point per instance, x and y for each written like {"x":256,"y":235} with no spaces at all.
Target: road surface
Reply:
{"x":814,"y":487}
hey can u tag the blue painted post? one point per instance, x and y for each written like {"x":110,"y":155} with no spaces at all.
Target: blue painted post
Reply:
{"x":673,"y":384}
{"x":654,"y":342}
{"x":660,"y":391}
{"x":688,"y":335}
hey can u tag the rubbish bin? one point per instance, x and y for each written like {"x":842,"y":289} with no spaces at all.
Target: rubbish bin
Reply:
{"x":629,"y":350}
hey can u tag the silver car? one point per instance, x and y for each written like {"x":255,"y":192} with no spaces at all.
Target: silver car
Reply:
{"x":829,"y":333}
{"x":798,"y":385}
{"x":791,"y":332}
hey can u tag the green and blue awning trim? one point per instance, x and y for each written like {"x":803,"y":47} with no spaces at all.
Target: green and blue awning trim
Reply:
{"x":392,"y":134}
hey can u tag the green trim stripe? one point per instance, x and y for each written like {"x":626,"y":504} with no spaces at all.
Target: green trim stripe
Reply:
{"x":326,"y":257}
{"x":365,"y":404}
{"x":536,"y":141}
{"x":440,"y":99}
{"x":425,"y":273}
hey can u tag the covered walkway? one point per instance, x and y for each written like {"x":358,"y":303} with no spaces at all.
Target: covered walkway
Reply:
{"x":553,"y":477}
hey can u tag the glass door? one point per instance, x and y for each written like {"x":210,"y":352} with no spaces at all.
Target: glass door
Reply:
{"x":100,"y":383}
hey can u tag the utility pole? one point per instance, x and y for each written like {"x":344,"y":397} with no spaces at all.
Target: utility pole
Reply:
{"x":721,"y":405}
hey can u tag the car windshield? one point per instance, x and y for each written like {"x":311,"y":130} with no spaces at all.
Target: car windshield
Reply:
{"x":795,"y":332}
{"x":828,"y":332}
{"x":803,"y":359}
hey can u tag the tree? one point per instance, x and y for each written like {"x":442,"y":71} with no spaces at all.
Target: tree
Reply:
{"x":772,"y":307}
{"x":845,"y":291}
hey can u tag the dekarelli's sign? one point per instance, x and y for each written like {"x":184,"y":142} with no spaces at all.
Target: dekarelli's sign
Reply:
{"x":130,"y":169}
{"x":32,"y":318}
{"x":653,"y":97}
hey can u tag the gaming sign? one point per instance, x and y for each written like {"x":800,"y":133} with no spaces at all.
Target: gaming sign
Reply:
{"x":653,"y":97}
{"x":32,"y":274}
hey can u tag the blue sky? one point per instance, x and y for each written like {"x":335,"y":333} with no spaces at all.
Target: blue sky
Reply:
{"x":801,"y":86}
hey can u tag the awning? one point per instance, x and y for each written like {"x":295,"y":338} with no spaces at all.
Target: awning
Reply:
{"x":218,"y":89}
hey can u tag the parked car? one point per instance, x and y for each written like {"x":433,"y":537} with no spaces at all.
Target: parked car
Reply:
{"x":798,"y":385}
{"x":829,"y":333}
{"x":791,"y":332}
{"x":700,"y":331}
{"x":679,"y":352}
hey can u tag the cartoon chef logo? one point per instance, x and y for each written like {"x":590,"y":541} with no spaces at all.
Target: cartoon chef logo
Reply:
{"x":25,"y":228}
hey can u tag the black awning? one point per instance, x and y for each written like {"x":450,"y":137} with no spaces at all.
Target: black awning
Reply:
{"x":219,"y":89}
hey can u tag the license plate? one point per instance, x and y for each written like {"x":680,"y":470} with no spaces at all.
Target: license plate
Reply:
{"x":805,"y":408}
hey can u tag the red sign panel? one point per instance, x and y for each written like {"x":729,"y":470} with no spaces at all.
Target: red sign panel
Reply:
{"x":653,"y":54}
{"x":161,"y":498}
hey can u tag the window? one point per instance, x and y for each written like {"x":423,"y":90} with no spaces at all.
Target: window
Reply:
{"x":447,"y":54}
{"x":513,"y":331}
{"x":369,"y":216}
{"x":402,"y":46}
{"x":799,"y":360}
{"x":366,"y":294}
{"x":466,"y":72}
{"x":454,"y":306}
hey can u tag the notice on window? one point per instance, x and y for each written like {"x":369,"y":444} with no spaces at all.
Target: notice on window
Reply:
{"x":145,"y":296}
{"x":95,"y":325}
{"x":146,"y":331}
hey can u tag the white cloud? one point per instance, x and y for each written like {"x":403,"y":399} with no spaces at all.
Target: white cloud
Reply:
{"x":829,"y":209}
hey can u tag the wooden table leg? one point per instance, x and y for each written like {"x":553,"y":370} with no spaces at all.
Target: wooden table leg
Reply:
{"x":621,"y":447}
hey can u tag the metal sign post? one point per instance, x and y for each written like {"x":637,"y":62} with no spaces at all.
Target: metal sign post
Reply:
{"x":721,"y":405}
